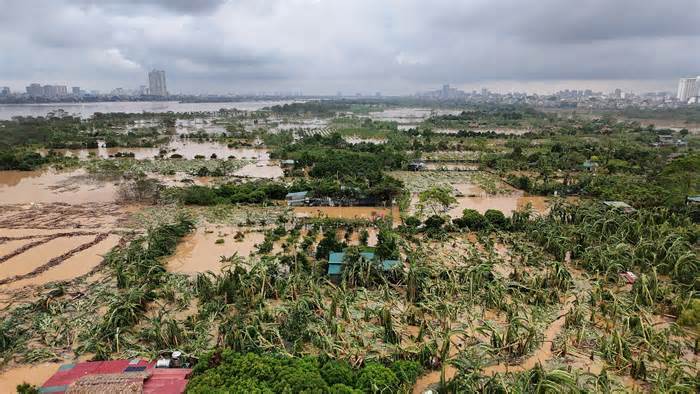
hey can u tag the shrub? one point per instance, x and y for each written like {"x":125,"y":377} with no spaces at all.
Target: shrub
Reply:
{"x":407,"y":371}
{"x":472,"y":219}
{"x":434,"y":222}
{"x":343,"y":389}
{"x":496,"y":218}
{"x":26,"y":388}
{"x":376,"y":378}
{"x":690,"y":316}
{"x":338,"y":373}
{"x":412,"y":221}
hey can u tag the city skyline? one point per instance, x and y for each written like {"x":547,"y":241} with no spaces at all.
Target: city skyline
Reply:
{"x":320,"y":47}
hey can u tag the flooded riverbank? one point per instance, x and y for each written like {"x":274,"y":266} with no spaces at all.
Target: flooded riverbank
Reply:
{"x":86,"y":110}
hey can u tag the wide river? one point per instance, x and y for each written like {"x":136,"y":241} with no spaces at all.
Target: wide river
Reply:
{"x":85,"y":110}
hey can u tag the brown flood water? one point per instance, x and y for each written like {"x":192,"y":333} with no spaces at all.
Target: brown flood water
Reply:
{"x":34,"y":374}
{"x":260,"y":170}
{"x":39,"y":255}
{"x":476,"y":198}
{"x":188,"y":150}
{"x":367,"y":213}
{"x":49,"y":186}
{"x":199,"y":252}
{"x":73,"y":267}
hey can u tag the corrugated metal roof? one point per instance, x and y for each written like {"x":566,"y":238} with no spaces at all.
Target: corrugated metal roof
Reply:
{"x":296,"y":195}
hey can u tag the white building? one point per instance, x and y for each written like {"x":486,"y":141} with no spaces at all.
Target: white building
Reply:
{"x":156,"y":83}
{"x":688,"y":88}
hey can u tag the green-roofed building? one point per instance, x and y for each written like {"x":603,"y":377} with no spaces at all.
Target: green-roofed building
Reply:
{"x":337,"y":259}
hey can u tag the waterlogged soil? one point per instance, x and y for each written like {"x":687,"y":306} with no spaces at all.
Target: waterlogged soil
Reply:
{"x":188,"y":149}
{"x":200,"y":252}
{"x":76,"y":266}
{"x":360,"y":213}
{"x":476,"y":198}
{"x":44,"y":243}
{"x":34,"y":374}
{"x":33,"y":258}
{"x":264,"y":170}
{"x":541,"y":355}
{"x":37,"y":219}
{"x":50,"y":186}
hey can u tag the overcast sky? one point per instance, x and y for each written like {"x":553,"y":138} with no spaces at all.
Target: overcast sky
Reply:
{"x":324,"y":46}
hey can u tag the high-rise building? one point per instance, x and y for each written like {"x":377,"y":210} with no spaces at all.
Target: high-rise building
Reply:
{"x":4,"y":91}
{"x":688,"y":88}
{"x":156,"y":83}
{"x":76,"y":90}
{"x":50,"y":91}
{"x":35,"y":90}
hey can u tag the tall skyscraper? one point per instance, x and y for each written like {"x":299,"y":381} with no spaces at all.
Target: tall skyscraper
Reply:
{"x":688,"y":88}
{"x":156,"y":83}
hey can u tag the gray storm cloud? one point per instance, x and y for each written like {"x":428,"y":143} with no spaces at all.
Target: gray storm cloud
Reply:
{"x":320,"y":46}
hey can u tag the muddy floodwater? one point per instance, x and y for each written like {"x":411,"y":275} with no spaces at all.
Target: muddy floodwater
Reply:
{"x":366,"y":213}
{"x":49,"y":186}
{"x":265,"y":170}
{"x":187,"y":149}
{"x":476,"y":198}
{"x":200,"y":252}
{"x":86,"y":110}
{"x":34,"y":374}
{"x":410,"y":116}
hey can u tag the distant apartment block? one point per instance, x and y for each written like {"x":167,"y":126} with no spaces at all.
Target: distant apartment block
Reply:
{"x":4,"y":91}
{"x":156,"y":83}
{"x":35,"y":90}
{"x":76,"y":90}
{"x":688,"y":88}
{"x":48,"y":91}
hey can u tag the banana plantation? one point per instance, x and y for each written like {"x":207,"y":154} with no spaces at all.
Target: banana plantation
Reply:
{"x":500,"y":266}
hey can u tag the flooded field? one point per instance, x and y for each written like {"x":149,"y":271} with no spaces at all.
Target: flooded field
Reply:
{"x":32,"y":374}
{"x":410,"y":116}
{"x":265,"y":170}
{"x":86,"y":110}
{"x":189,"y":126}
{"x":365,"y":213}
{"x":51,"y":186}
{"x":200,"y":252}
{"x":45,"y":243}
{"x":476,"y":198}
{"x":187,"y":149}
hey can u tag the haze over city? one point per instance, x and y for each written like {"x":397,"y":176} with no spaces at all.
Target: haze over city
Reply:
{"x":322,"y":47}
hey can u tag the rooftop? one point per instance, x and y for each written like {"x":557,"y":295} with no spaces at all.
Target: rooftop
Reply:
{"x":123,"y":376}
{"x":620,"y":205}
{"x":336,"y":261}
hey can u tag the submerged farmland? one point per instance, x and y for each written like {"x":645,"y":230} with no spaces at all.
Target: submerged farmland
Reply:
{"x":312,"y":258}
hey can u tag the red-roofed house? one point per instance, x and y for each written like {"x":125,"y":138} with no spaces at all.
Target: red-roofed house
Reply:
{"x":122,"y":375}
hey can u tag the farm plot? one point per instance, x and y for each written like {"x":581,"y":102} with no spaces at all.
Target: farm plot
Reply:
{"x":46,"y":243}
